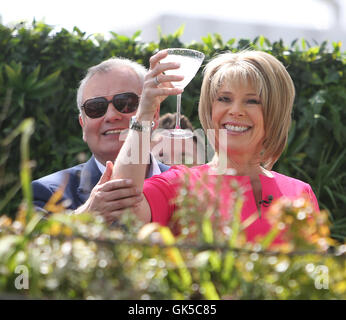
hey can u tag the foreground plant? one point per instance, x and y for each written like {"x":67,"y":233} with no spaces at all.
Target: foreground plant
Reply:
{"x":79,"y":256}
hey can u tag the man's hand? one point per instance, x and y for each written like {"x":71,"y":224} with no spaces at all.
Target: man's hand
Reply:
{"x":110,"y":197}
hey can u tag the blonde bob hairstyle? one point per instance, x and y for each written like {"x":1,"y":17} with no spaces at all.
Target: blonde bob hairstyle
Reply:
{"x":269,"y":78}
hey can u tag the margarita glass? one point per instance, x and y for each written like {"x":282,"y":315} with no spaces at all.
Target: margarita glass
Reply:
{"x":190,"y":61}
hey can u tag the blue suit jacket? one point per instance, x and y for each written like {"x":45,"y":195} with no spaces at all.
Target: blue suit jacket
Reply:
{"x":79,"y":180}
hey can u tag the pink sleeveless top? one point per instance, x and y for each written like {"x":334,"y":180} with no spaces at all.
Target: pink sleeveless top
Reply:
{"x":161,"y":190}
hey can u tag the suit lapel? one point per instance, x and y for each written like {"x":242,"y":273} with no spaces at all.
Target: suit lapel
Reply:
{"x":90,"y":175}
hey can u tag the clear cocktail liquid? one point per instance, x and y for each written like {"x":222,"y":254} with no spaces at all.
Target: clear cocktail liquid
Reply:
{"x":188,"y":68}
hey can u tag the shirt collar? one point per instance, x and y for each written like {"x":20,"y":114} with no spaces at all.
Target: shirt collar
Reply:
{"x":154,"y":168}
{"x":101,"y":167}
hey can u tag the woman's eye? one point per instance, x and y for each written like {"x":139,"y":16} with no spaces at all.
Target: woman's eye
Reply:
{"x":223,"y":99}
{"x":254,"y":101}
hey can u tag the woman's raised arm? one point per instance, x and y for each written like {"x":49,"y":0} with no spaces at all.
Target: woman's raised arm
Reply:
{"x":133,"y":157}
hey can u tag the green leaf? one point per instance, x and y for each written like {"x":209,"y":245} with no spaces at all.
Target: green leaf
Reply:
{"x":123,"y":38}
{"x":298,"y":143}
{"x":228,"y":265}
{"x":1,"y":79}
{"x":269,"y":238}
{"x":231,"y":42}
{"x":167,"y":236}
{"x":261,"y":41}
{"x":338,"y":126}
{"x":215,"y":261}
{"x":316,"y":79}
{"x":235,"y":222}
{"x":7,"y":246}
{"x":317,"y":101}
{"x":179,"y":32}
{"x":335,"y":164}
{"x":31,"y":79}
{"x":207,"y":230}
{"x":32,"y":223}
{"x":208,"y":40}
{"x":9,"y":195}
{"x":159,"y":31}
{"x":330,"y":193}
{"x":43,"y":87}
{"x":340,"y":196}
{"x":11,"y":74}
{"x":209,"y":291}
{"x":136,"y":35}
{"x":332,"y":77}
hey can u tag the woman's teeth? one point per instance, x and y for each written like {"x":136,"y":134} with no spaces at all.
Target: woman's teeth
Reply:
{"x":236,"y":128}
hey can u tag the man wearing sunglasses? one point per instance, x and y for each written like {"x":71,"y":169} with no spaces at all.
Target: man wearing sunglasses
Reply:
{"x":107,"y":98}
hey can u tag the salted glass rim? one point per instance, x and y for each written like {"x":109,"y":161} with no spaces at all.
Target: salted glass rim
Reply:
{"x":186,"y":52}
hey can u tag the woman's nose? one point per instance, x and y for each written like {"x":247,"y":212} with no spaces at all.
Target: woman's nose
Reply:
{"x":236,"y":109}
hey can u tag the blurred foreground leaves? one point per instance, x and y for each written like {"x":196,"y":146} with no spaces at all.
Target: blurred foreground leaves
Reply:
{"x":70,"y":256}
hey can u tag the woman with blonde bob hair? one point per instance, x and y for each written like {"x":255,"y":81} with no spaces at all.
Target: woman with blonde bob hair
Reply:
{"x":246,"y":101}
{"x":272,"y":84}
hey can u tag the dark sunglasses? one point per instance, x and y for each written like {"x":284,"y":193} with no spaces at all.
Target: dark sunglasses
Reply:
{"x":126,"y":102}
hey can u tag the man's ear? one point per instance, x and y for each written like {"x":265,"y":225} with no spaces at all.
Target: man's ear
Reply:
{"x":80,"y":118}
{"x":81,"y":121}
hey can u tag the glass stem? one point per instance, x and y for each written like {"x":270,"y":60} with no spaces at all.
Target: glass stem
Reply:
{"x":177,"y":120}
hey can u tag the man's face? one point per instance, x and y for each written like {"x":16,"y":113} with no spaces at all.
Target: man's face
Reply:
{"x":102,"y":134}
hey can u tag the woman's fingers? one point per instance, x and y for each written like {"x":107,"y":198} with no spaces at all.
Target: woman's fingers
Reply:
{"x":157,"y":84}
{"x":162,"y":67}
{"x":155,"y":59}
{"x":158,"y":68}
{"x":163,"y":78}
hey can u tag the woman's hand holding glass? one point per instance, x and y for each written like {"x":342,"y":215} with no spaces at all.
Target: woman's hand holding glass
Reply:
{"x":157,"y":86}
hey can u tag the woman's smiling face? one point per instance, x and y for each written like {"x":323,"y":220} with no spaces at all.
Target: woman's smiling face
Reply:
{"x":238,"y":110}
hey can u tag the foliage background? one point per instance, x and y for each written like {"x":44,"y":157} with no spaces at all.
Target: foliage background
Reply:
{"x":40,"y":71}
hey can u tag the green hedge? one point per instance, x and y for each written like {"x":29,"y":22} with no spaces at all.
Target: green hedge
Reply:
{"x":40,"y":71}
